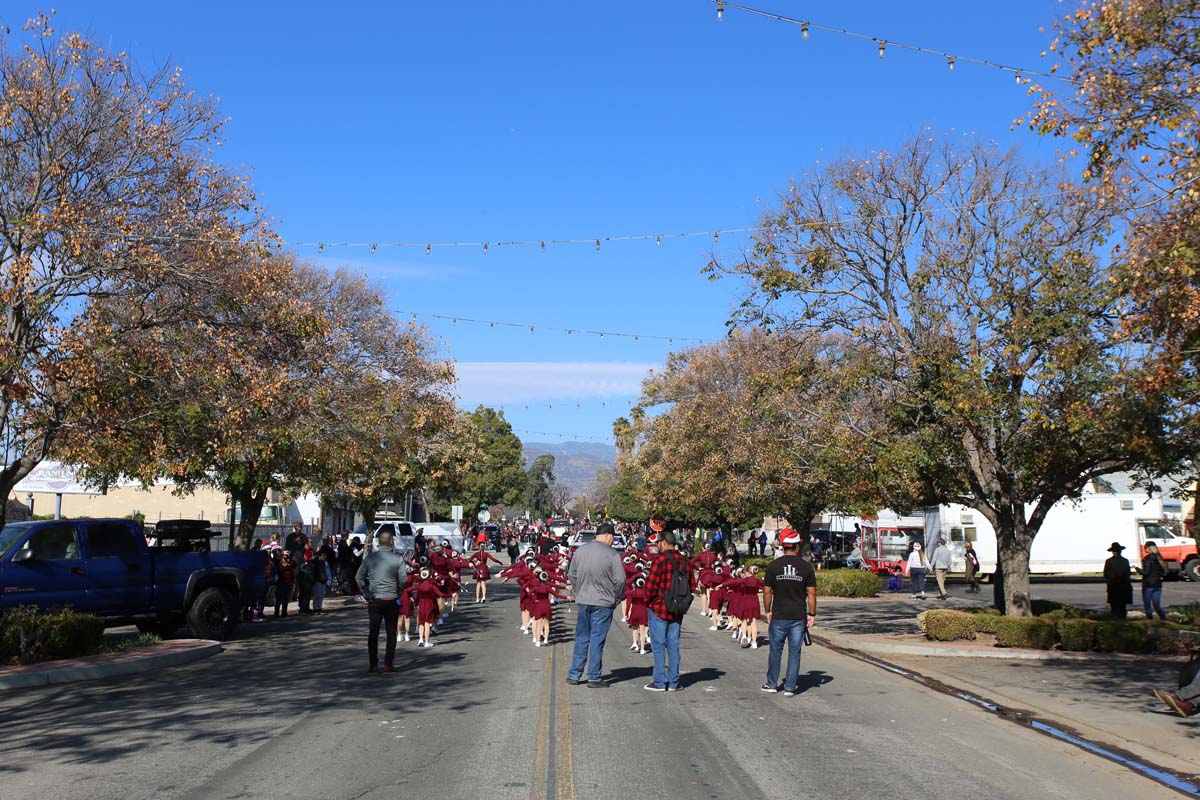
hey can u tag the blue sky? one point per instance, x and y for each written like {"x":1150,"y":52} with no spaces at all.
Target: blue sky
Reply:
{"x":485,"y":121}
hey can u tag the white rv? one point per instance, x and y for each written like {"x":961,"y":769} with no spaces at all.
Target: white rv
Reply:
{"x":1075,"y":537}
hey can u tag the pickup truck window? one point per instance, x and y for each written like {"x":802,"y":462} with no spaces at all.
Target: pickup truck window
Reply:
{"x":109,"y":540}
{"x":56,"y":543}
{"x":9,"y":536}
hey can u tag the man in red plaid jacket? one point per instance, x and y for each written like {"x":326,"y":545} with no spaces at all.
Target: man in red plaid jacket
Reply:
{"x":664,"y":627}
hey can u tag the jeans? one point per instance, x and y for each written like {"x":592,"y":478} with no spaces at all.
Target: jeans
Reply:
{"x":319,"y":597}
{"x":382,"y":613}
{"x":917,"y":576}
{"x":1152,"y":599}
{"x":591,"y":629}
{"x":664,"y":639}
{"x":790,"y":631}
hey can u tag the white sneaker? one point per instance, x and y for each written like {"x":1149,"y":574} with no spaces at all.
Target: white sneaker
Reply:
{"x":714,"y":628}
{"x":754,"y":645}
{"x":633,"y":647}
{"x":407,"y":638}
{"x":537,"y":642}
{"x":734,"y":636}
{"x":429,"y":644}
{"x":525,"y":632}
{"x":642,"y":652}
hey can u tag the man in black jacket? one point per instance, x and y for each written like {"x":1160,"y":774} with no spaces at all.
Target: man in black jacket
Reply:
{"x":1118,"y":576}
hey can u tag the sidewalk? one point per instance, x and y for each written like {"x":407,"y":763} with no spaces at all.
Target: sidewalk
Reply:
{"x":1104,"y":698}
{"x":169,"y":653}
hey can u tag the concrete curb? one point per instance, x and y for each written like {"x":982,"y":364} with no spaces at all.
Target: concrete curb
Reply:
{"x":56,"y":672}
{"x":868,"y":646}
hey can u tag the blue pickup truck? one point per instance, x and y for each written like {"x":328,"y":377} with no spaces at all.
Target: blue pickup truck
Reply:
{"x":106,"y":567}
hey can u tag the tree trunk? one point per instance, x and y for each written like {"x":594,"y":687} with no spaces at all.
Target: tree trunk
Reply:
{"x":1013,"y":544}
{"x":12,"y":474}
{"x":251,"y":500}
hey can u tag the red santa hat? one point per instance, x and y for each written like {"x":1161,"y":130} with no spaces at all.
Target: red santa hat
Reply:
{"x":789,"y":537}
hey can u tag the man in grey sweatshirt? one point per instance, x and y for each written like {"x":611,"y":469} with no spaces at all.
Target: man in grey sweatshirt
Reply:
{"x":381,"y":577}
{"x":597,"y":579}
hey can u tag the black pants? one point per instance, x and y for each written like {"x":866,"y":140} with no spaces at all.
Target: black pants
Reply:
{"x":283,"y":595}
{"x":1119,"y":610}
{"x":382,"y":612}
{"x":306,"y":593}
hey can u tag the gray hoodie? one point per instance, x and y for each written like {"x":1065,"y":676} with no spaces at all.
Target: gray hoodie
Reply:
{"x":597,"y":575}
{"x":382,"y":573}
{"x":942,"y":557}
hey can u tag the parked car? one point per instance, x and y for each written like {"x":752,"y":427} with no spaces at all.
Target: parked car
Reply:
{"x":582,"y":538}
{"x":105,"y":567}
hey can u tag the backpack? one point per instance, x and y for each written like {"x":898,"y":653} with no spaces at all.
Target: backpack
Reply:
{"x":678,"y":597}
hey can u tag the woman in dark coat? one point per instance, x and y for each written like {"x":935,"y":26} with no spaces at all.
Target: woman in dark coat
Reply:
{"x":1120,"y":583}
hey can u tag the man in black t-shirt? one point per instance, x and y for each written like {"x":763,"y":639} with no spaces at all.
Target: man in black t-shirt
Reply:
{"x":790,"y":600}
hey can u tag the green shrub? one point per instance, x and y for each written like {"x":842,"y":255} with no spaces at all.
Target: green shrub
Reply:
{"x":1115,"y":636}
{"x":987,"y":623}
{"x":1030,"y":632}
{"x":1165,"y":639}
{"x":1040,"y":607}
{"x":847,"y":583}
{"x":28,"y":634}
{"x":1189,"y":613}
{"x":1077,"y":635}
{"x":947,"y":625}
{"x":123,"y":643}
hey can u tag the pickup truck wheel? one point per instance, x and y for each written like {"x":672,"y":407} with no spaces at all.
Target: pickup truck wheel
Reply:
{"x":1192,"y":568}
{"x":214,"y":614}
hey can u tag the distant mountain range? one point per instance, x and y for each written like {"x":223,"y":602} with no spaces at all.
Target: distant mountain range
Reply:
{"x":575,"y":463}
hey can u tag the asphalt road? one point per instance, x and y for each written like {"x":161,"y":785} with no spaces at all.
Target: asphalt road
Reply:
{"x":289,"y":712}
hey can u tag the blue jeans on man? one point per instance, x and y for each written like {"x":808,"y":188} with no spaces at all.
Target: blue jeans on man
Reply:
{"x":664,"y":641}
{"x":591,"y":629}
{"x":790,"y":631}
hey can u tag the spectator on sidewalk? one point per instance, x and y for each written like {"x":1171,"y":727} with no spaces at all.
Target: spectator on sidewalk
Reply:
{"x":324,"y":581}
{"x":762,"y":543}
{"x":940,"y":561}
{"x":917,"y":567}
{"x":381,"y":578}
{"x":285,"y":578}
{"x":1154,"y":570}
{"x":1120,"y":582}
{"x":751,"y":544}
{"x":972,"y":559}
{"x":1184,"y":701}
{"x":597,"y":578}
{"x":790,"y":601}
{"x":669,"y":578}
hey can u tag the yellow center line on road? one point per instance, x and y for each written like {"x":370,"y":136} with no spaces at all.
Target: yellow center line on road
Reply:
{"x":542,"y":743}
{"x":565,"y":745}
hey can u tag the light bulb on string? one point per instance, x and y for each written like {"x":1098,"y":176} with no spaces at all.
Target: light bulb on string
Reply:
{"x":485,"y":248}
{"x":374,"y":247}
{"x":1018,"y":75}
{"x":491,"y":324}
{"x":428,"y":249}
{"x":716,"y":236}
{"x":531,"y":329}
{"x":950,"y":62}
{"x":804,"y":30}
{"x":658,"y":240}
{"x":597,"y":245}
{"x":543,"y":247}
{"x":720,"y":12}
{"x":320,"y":247}
{"x":882,"y":47}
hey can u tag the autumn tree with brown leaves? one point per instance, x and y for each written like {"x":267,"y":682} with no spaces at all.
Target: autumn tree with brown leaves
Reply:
{"x":113,"y":221}
{"x":978,"y":279}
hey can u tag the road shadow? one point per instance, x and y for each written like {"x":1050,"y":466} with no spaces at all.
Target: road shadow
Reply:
{"x":812,"y":679}
{"x":272,"y":669}
{"x":703,"y":675}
